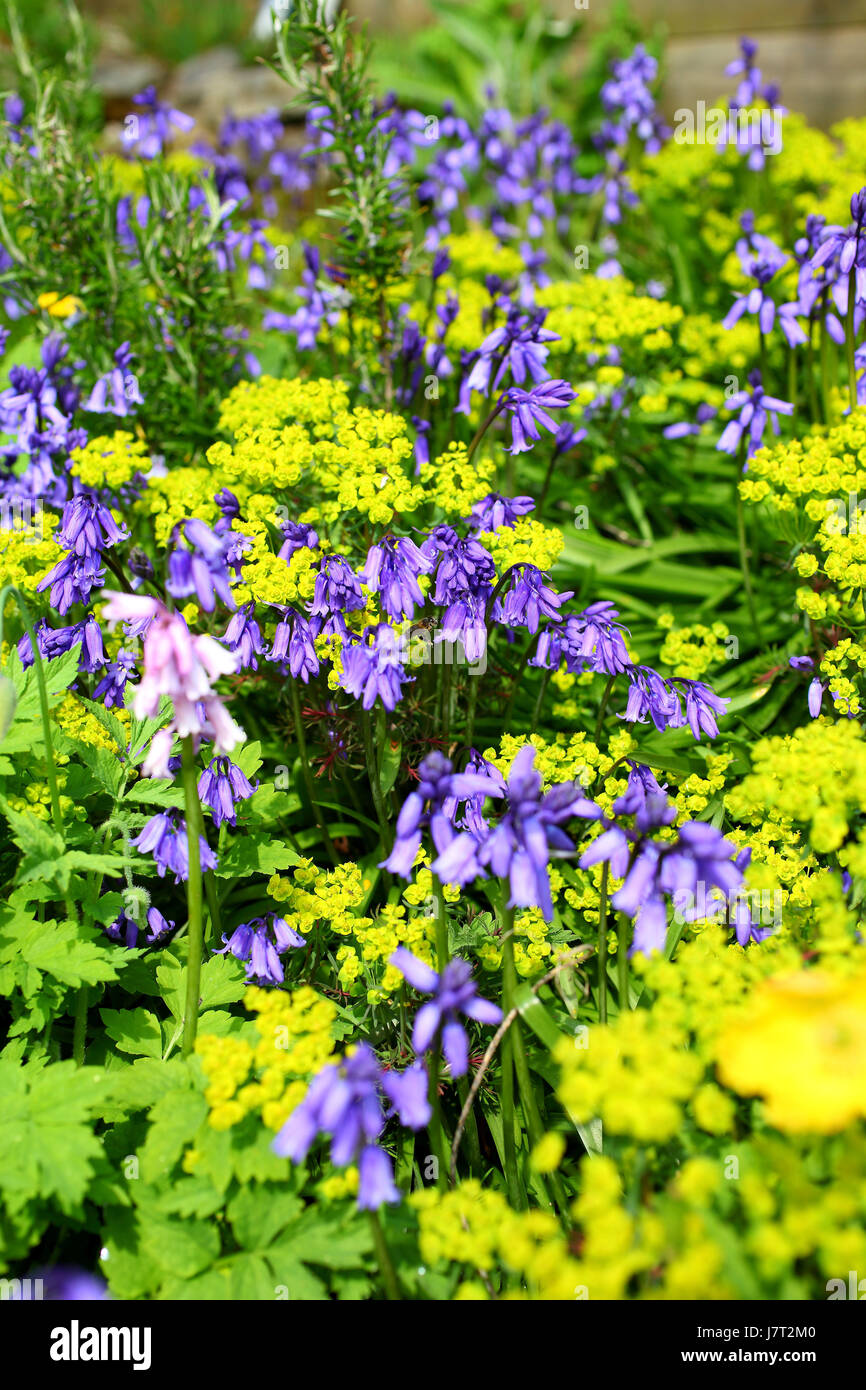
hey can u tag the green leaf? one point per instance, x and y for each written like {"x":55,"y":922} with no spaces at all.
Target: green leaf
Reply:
{"x":258,"y":1214}
{"x":545,"y":1029}
{"x":174,"y":1121}
{"x":246,"y":855}
{"x":48,"y":1147}
{"x":69,"y":952}
{"x":134,"y":1030}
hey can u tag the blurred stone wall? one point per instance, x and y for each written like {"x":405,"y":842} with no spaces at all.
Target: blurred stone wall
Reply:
{"x":814,"y":49}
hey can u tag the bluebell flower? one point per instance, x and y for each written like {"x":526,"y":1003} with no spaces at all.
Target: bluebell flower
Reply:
{"x":845,"y":243}
{"x":392,"y":570}
{"x":221,"y":786}
{"x":165,"y":837}
{"x":126,"y":929}
{"x":117,"y":390}
{"x":87,"y":525}
{"x":520,"y":845}
{"x":680,"y":428}
{"x":344,"y":1102}
{"x":200,"y":568}
{"x":755,"y":409}
{"x":454,"y":992}
{"x":465,"y":621}
{"x":298,"y":536}
{"x":373,"y":667}
{"x":527,"y":598}
{"x":147,"y":133}
{"x":244,"y":636}
{"x":516,"y":346}
{"x":495,"y":511}
{"x":111,"y":690}
{"x":408,"y":1091}
{"x":293,"y":639}
{"x":461,"y":565}
{"x":433,"y":803}
{"x":529,"y":409}
{"x":259,"y":944}
{"x":72,"y":580}
{"x":337,"y":592}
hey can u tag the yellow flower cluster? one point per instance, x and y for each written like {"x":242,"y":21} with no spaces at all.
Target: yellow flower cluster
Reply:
{"x":314,"y":897}
{"x":475,"y":1226}
{"x":454,"y":483}
{"x":270,"y":1078}
{"x":690,"y":652}
{"x":27,"y":552}
{"x":815,"y":777}
{"x":110,"y":461}
{"x":526,"y":542}
{"x":78,"y":723}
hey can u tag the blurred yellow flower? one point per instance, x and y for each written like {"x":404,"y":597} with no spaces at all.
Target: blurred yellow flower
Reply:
{"x":59,"y":306}
{"x":802,"y":1047}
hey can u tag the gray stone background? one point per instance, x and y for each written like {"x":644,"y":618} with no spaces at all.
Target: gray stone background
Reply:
{"x":815,"y":50}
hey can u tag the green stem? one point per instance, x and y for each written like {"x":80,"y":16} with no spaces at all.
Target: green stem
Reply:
{"x":434,"y":1128}
{"x":373,"y":775}
{"x":622,"y":963}
{"x":509,"y":985}
{"x":602,"y":945}
{"x":442,"y":953}
{"x":79,"y":1028}
{"x":825,"y":363}
{"x":482,"y":430}
{"x":744,"y":567}
{"x":383,"y":1256}
{"x":849,"y":337}
{"x":471,"y":705}
{"x":307,"y":773}
{"x":605,"y":699}
{"x":214,"y":932}
{"x":539,"y":703}
{"x":195,"y":931}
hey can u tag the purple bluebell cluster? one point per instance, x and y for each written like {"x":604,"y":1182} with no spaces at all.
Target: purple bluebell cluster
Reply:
{"x":454,"y":993}
{"x":221,"y":786}
{"x":260,"y":943}
{"x":700,"y":872}
{"x":345,"y":1101}
{"x":127,"y":929}
{"x":165,"y":838}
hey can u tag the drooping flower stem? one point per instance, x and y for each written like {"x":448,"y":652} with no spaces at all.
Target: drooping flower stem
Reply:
{"x":471,"y":706}
{"x":442,"y":953}
{"x":373,"y":777}
{"x":506,"y":1095}
{"x":602,"y":945}
{"x":622,"y":963}
{"x":849,"y":336}
{"x":539,"y":703}
{"x":741,"y":544}
{"x":213,"y":906}
{"x":195,"y":929}
{"x":307,"y":774}
{"x":825,"y":362}
{"x":605,"y":700}
{"x":383,"y":1257}
{"x":483,"y":428}
{"x":438,"y":1149}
